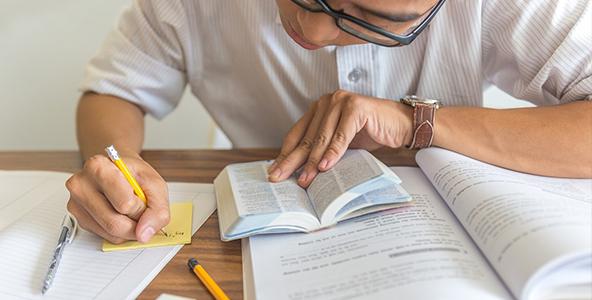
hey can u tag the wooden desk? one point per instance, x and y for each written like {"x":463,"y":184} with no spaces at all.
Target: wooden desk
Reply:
{"x":221,"y":259}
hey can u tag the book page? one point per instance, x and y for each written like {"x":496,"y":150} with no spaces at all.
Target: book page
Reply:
{"x":521,"y":222}
{"x":417,"y":253}
{"x":353,"y":169}
{"x":374,"y":201}
{"x":254,"y":194}
{"x":85,"y":272}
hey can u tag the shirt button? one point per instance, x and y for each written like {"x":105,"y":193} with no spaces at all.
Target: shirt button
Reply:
{"x":355,"y":75}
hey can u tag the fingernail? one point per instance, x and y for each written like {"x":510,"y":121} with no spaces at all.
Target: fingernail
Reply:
{"x":303,"y":177}
{"x":147,"y":234}
{"x":272,"y":167}
{"x":323,"y":164}
{"x":275,"y":174}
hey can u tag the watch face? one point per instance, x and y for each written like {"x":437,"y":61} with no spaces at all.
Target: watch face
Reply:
{"x":412,"y":100}
{"x":430,"y":101}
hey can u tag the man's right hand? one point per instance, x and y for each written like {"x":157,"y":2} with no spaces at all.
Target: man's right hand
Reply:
{"x":104,"y":202}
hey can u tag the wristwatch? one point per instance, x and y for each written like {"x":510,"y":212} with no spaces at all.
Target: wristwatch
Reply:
{"x":424,"y":116}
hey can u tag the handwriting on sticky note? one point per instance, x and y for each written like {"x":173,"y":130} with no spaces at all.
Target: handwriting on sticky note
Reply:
{"x":178,"y":231}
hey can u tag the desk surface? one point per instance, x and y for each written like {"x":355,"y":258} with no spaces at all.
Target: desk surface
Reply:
{"x":221,"y":259}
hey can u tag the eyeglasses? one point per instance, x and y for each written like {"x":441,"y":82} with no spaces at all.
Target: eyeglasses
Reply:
{"x":375,"y":27}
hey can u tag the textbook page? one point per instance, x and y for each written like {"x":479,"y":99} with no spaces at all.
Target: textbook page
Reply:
{"x":254,"y":194}
{"x":420,"y":252}
{"x":353,"y":169}
{"x":21,"y":191}
{"x":85,"y":272}
{"x":527,"y":226}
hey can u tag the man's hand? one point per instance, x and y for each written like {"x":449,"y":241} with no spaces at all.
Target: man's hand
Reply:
{"x":334,"y":123}
{"x":104,"y":202}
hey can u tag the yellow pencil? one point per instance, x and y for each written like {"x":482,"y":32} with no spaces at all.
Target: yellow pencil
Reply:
{"x":114,"y":156}
{"x":210,"y":284}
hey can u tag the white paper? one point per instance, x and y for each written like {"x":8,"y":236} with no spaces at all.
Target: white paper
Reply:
{"x":254,"y":194}
{"x":421,"y":252}
{"x":85,"y":272}
{"x":527,"y":226}
{"x":165,"y":296}
{"x":353,"y":169}
{"x":21,"y":191}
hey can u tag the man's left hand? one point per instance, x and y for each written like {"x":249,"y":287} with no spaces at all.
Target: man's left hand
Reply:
{"x":334,"y":123}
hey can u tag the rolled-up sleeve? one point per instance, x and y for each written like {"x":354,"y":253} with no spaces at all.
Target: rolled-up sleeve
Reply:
{"x":141,"y":60}
{"x":539,"y":50}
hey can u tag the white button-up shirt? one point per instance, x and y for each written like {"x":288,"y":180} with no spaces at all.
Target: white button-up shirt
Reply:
{"x":256,"y":82}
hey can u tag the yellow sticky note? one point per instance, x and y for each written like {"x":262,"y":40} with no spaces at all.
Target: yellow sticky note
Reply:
{"x":178,"y":230}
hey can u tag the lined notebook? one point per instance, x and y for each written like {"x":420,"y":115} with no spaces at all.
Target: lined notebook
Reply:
{"x":85,"y":271}
{"x":21,"y":191}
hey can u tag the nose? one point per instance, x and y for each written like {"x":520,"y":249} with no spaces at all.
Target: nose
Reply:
{"x":317,"y":28}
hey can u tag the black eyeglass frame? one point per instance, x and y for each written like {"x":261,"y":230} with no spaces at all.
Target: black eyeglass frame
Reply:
{"x":400,"y":39}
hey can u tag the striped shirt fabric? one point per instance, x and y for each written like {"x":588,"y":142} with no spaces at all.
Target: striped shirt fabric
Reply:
{"x":256,"y":82}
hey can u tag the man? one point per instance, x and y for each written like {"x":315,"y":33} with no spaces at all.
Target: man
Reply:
{"x":334,"y":68}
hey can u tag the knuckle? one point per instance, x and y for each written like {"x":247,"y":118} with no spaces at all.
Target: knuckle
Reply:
{"x":96,"y":166}
{"x":339,"y":139}
{"x":286,"y":162}
{"x":125,"y":207}
{"x":163,"y":216}
{"x":93,"y":162}
{"x":312,"y":163}
{"x":115,"y":226}
{"x":338,"y":144}
{"x":99,"y":173}
{"x":340,"y":94}
{"x":333,"y":151}
{"x":336,"y":98}
{"x":306,"y":144}
{"x":282,"y":156}
{"x":321,"y":140}
{"x":353,"y":102}
{"x":72,"y":183}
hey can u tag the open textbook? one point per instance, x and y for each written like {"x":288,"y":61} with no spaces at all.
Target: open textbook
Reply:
{"x":38,"y":202}
{"x":475,"y":231}
{"x":249,"y":204}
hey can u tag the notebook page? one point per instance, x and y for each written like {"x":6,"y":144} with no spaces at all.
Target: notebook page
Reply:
{"x":22,"y":190}
{"x":85,"y":272}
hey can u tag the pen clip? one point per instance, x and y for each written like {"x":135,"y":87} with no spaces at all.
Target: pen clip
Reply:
{"x":71,"y":223}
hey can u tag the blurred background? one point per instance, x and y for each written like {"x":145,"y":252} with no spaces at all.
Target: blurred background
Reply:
{"x":44,"y":46}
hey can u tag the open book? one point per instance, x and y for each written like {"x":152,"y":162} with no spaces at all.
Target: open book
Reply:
{"x":249,"y":204}
{"x":475,"y":231}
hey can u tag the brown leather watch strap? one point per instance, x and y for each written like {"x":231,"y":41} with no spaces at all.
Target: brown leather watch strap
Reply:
{"x":424,"y":116}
